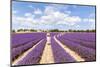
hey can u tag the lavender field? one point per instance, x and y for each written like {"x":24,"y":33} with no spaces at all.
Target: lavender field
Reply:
{"x":52,"y":47}
{"x":52,"y":33}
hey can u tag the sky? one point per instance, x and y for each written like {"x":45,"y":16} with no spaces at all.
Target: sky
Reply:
{"x":46,"y":16}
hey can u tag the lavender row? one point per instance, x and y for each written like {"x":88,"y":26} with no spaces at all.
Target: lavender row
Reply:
{"x":86,"y":53}
{"x":81,"y":42}
{"x":59,"y":53}
{"x":85,"y":43}
{"x":35,"y":55}
{"x":54,"y":33}
{"x":82,"y":36}
{"x":20,"y":50}
{"x":23,"y":38}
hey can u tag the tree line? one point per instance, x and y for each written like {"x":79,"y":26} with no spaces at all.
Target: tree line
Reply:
{"x":53,"y":30}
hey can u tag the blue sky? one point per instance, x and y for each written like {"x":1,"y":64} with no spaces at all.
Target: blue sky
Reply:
{"x":27,"y":15}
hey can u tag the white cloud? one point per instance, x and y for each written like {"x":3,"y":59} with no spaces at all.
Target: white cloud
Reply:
{"x":49,"y":10}
{"x":77,"y":26}
{"x":73,"y":19}
{"x":14,"y":11}
{"x":30,"y":6}
{"x":92,"y":20}
{"x":28,"y":14}
{"x":92,"y":15}
{"x":92,"y":25}
{"x":89,"y":20}
{"x":37,"y":11}
{"x":21,"y":22}
{"x":51,"y":17}
{"x":20,"y":19}
{"x":60,"y":15}
{"x":68,"y":12}
{"x":70,"y":20}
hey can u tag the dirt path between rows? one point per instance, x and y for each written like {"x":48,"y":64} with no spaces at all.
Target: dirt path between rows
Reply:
{"x":24,"y":54}
{"x":68,"y":50}
{"x":47,"y":56}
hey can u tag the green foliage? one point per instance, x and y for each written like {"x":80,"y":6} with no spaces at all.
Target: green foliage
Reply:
{"x":32,"y":30}
{"x":54,"y":30}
